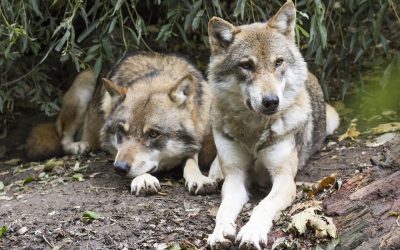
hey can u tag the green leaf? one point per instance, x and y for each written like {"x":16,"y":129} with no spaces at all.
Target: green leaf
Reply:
{"x":78,"y":177}
{"x":165,"y":32}
{"x":196,"y":20}
{"x":239,"y":9}
{"x":112,"y":25}
{"x":3,"y":230}
{"x":61,"y":43}
{"x":28,"y":180}
{"x":91,"y":215}
{"x":35,"y":7}
{"x":98,"y":65}
{"x":118,"y":6}
{"x":88,"y":31}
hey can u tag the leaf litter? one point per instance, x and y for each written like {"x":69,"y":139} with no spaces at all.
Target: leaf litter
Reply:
{"x":312,"y":217}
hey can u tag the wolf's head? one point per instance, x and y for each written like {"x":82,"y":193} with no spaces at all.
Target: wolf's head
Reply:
{"x":150,"y":124}
{"x":258,"y":63}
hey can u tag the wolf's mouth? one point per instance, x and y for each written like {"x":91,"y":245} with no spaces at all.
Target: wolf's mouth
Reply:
{"x":269,"y":112}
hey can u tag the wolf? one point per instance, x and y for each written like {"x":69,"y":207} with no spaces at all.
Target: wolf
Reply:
{"x":151,"y":111}
{"x":268,"y":117}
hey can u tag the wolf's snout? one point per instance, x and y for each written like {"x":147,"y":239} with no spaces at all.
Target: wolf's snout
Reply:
{"x":270,"y":103}
{"x":121,"y":167}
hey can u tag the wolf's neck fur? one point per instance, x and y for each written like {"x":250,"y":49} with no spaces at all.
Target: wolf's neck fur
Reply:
{"x":253,"y":130}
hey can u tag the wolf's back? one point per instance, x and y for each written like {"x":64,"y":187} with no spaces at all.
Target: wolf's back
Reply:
{"x":43,"y":142}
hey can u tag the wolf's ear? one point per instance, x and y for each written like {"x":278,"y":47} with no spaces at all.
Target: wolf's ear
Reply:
{"x":183,"y":91}
{"x":114,"y":89}
{"x":284,"y":20}
{"x":221,"y":33}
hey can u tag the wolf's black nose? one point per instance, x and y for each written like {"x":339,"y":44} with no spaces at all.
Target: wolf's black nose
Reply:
{"x":270,"y":102}
{"x":121,"y":167}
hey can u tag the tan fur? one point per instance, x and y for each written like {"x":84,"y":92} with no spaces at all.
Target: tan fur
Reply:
{"x":268,"y":117}
{"x":146,"y":94}
{"x":43,"y":142}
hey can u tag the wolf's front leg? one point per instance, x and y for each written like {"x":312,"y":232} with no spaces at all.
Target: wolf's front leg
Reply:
{"x":233,"y":160}
{"x":195,"y":181}
{"x":281,"y":162}
{"x":145,"y":184}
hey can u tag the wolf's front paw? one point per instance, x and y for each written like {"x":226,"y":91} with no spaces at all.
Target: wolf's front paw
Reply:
{"x":252,"y":236}
{"x":201,"y":185}
{"x":80,"y":147}
{"x":145,"y":184}
{"x":222,"y":237}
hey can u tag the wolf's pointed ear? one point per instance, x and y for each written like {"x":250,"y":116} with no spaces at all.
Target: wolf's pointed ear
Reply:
{"x":113,"y":89}
{"x":284,"y":20}
{"x":221,"y":33}
{"x":183,"y":91}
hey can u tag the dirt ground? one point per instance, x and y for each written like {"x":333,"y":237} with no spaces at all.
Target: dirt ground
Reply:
{"x":42,"y":204}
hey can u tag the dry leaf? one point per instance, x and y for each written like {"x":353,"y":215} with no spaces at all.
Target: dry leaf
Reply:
{"x":380,"y":140}
{"x":302,"y":206}
{"x":386,"y":127}
{"x":351,"y":132}
{"x":322,"y":225}
{"x":325,"y":183}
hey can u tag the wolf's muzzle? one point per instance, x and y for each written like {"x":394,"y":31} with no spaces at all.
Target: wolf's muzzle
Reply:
{"x":270,"y":103}
{"x":122,"y":167}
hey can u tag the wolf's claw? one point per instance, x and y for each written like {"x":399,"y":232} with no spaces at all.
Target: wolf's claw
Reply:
{"x":201,"y":186}
{"x":145,"y":184}
{"x":252,"y":237}
{"x":222,"y":237}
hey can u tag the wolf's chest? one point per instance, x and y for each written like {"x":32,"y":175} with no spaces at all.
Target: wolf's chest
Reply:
{"x":249,"y":131}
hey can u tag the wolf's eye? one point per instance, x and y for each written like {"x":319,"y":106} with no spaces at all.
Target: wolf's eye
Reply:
{"x":120,"y":132}
{"x":246,"y":65}
{"x":278,"y":62}
{"x":153,"y":134}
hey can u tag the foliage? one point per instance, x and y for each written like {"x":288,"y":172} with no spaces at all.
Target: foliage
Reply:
{"x":36,"y":37}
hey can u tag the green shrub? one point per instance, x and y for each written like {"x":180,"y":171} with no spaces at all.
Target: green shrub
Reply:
{"x":337,"y":37}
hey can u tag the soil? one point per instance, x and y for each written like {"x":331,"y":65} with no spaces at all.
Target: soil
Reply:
{"x":42,"y":205}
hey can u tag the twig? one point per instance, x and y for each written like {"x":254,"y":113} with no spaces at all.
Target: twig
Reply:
{"x":50,"y":244}
{"x":94,"y":187}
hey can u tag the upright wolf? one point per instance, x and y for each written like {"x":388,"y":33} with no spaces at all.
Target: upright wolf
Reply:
{"x":268,"y":117}
{"x":151,"y":111}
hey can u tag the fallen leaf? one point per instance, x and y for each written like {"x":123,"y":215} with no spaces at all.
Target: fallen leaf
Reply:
{"x":52,"y":163}
{"x":322,"y":225}
{"x":173,"y":246}
{"x":325,"y":183}
{"x":297,"y":207}
{"x":351,"y":132}
{"x":94,"y":175}
{"x":380,"y":140}
{"x":22,"y":230}
{"x":78,"y":177}
{"x":28,"y":179}
{"x":394,"y":213}
{"x":3,"y":230}
{"x":76,"y":166}
{"x":1,"y":186}
{"x":385,"y":128}
{"x":91,"y":215}
{"x":5,"y":198}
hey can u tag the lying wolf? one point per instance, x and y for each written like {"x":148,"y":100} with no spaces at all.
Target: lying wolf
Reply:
{"x":268,"y":117}
{"x":151,"y":111}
